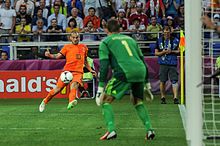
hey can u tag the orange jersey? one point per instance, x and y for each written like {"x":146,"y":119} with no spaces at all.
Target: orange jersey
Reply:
{"x":75,"y":57}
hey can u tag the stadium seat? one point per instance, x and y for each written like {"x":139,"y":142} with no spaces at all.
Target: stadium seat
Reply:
{"x":88,"y":89}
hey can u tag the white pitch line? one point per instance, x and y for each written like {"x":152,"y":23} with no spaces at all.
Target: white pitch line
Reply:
{"x":183,"y":115}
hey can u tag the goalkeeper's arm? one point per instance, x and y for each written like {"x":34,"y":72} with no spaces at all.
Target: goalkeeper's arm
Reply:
{"x":104,"y":64}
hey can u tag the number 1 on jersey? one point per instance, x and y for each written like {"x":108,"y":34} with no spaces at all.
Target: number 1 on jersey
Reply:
{"x":127,"y":48}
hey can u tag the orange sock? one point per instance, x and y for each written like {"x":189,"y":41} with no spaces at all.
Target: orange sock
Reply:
{"x":72,"y":95}
{"x":50,"y":95}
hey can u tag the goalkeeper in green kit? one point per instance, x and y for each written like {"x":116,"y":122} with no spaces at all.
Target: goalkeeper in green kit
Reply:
{"x":122,"y":54}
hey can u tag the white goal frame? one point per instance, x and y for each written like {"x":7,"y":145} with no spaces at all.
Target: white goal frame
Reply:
{"x":193,"y":72}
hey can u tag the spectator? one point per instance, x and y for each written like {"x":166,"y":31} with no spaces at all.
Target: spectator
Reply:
{"x":47,"y":4}
{"x":102,"y":28}
{"x":7,"y":22}
{"x":103,"y":25}
{"x":155,"y":8}
{"x":132,"y":8}
{"x":78,"y":19}
{"x":167,"y":50}
{"x":23,"y":14}
{"x":88,"y":4}
{"x":125,"y":4}
{"x":38,"y":30}
{"x":154,"y":27}
{"x":29,"y":6}
{"x":124,"y":24}
{"x":33,"y":53}
{"x":54,"y":28}
{"x":172,"y":7}
{"x":61,"y":19}
{"x":39,"y":16}
{"x":62,"y":7}
{"x":42,"y":6}
{"x":4,"y":55}
{"x":140,"y":15}
{"x":143,"y":2}
{"x":117,"y":4}
{"x":210,"y":24}
{"x":76,"y":4}
{"x":106,"y":8}
{"x":216,"y":19}
{"x":92,"y":17}
{"x":180,"y":17}
{"x":23,"y":29}
{"x":72,"y":26}
{"x":170,"y":23}
{"x":88,"y":29}
{"x":137,"y":28}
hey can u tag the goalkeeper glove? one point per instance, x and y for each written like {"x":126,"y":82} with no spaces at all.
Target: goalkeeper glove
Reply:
{"x":99,"y":96}
{"x":147,"y":92}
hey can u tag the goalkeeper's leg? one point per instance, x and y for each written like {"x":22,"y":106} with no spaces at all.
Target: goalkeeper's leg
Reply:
{"x":137,"y":93}
{"x":109,"y":118}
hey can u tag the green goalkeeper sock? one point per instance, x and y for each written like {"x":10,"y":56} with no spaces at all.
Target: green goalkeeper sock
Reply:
{"x":109,"y":116}
{"x":143,"y":115}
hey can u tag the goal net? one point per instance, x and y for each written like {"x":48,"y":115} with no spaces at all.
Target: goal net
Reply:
{"x":211,"y":87}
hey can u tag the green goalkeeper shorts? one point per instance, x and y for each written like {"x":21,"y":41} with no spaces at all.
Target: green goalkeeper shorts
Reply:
{"x":118,"y":88}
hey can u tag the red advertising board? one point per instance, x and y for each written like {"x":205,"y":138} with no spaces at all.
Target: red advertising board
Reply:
{"x":29,"y":84}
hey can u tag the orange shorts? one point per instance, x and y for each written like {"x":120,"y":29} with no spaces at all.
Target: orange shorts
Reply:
{"x":77,"y":77}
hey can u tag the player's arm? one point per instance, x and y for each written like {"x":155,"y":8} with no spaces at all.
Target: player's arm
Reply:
{"x":53,"y":56}
{"x":89,"y":67}
{"x":103,"y":71}
{"x":104,"y":63}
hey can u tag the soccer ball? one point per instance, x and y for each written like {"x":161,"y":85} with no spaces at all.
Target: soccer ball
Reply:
{"x":66,"y":77}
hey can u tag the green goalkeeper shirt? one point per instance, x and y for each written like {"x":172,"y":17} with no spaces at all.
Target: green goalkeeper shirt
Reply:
{"x":123,"y":55}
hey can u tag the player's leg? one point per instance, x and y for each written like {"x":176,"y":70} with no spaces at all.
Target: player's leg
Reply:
{"x":115,"y":89}
{"x":173,"y":74}
{"x":138,"y":94}
{"x":163,"y":75}
{"x":60,"y":85}
{"x":109,"y":117}
{"x":72,"y":95}
{"x":74,"y":85}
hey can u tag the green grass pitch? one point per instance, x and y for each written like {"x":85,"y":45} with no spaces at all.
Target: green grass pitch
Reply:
{"x":21,"y":124}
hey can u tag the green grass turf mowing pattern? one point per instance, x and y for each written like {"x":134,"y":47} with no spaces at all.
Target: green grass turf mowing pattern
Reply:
{"x":21,"y":124}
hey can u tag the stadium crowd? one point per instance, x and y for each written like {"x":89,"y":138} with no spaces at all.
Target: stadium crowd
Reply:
{"x":50,"y":20}
{"x":86,"y":16}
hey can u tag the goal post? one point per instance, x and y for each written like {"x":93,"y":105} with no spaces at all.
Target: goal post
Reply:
{"x":193,"y":71}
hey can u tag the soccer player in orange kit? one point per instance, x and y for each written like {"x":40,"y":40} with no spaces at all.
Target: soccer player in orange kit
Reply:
{"x":76,"y":59}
